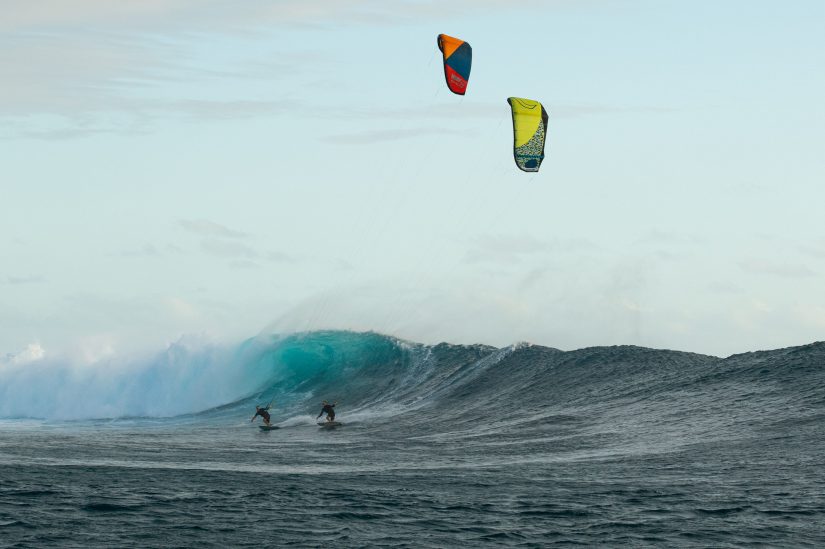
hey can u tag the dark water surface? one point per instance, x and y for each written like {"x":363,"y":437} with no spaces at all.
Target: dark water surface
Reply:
{"x":444,"y":446}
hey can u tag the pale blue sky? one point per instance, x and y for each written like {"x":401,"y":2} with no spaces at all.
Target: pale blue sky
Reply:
{"x":179,"y":167}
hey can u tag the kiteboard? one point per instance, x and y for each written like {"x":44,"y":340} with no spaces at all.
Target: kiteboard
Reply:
{"x":328,"y":424}
{"x":268,"y":427}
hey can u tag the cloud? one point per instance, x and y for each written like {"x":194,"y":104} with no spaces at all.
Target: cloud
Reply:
{"x":468,"y":109}
{"x":92,"y":56}
{"x":200,"y":109}
{"x":204,"y":227}
{"x":724,"y":288}
{"x":579,"y":110}
{"x":229,"y":16}
{"x":280,"y":257}
{"x":221,"y":241}
{"x":510,"y":249}
{"x":224,"y":242}
{"x":60,"y":134}
{"x":81,"y":69}
{"x":533,"y":278}
{"x":379,"y":136}
{"x":784,"y":270}
{"x":148,"y":250}
{"x":180,"y":307}
{"x":102,"y":116}
{"x":631,"y":305}
{"x":229,"y":249}
{"x":66,"y":73}
{"x":244,"y":264}
{"x":18,"y":280}
{"x":668,"y":238}
{"x":814,"y":249}
{"x":504,"y":249}
{"x":69,"y":83}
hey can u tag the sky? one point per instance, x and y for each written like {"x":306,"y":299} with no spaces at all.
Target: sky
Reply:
{"x":218,"y":168}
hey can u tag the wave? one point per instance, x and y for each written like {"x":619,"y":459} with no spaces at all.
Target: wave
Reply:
{"x":455,"y":390}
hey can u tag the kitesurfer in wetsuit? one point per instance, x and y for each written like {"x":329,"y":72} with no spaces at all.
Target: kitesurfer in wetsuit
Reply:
{"x":328,"y":410}
{"x":263,"y":413}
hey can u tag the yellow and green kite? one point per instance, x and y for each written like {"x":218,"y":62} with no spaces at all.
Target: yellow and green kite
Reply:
{"x":529,"y":133}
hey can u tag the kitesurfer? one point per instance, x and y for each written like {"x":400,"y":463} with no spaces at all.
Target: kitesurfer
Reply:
{"x":259,"y":411}
{"x":328,"y":410}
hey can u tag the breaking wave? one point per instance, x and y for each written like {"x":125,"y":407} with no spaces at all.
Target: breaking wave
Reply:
{"x":662,"y":397}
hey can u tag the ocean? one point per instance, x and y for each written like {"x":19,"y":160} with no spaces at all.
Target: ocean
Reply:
{"x":441,"y":446}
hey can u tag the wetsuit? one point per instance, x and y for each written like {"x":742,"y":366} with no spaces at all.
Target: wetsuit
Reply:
{"x":328,"y":410}
{"x":263,"y":413}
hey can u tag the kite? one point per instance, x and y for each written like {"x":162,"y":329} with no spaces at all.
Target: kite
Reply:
{"x":458,"y":57}
{"x":529,"y":133}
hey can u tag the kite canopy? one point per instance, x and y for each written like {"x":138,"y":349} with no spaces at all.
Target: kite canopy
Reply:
{"x":529,"y":133}
{"x":458,"y":57}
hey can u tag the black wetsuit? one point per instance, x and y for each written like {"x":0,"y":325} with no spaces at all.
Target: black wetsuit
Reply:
{"x":328,"y":410}
{"x":263,"y":413}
